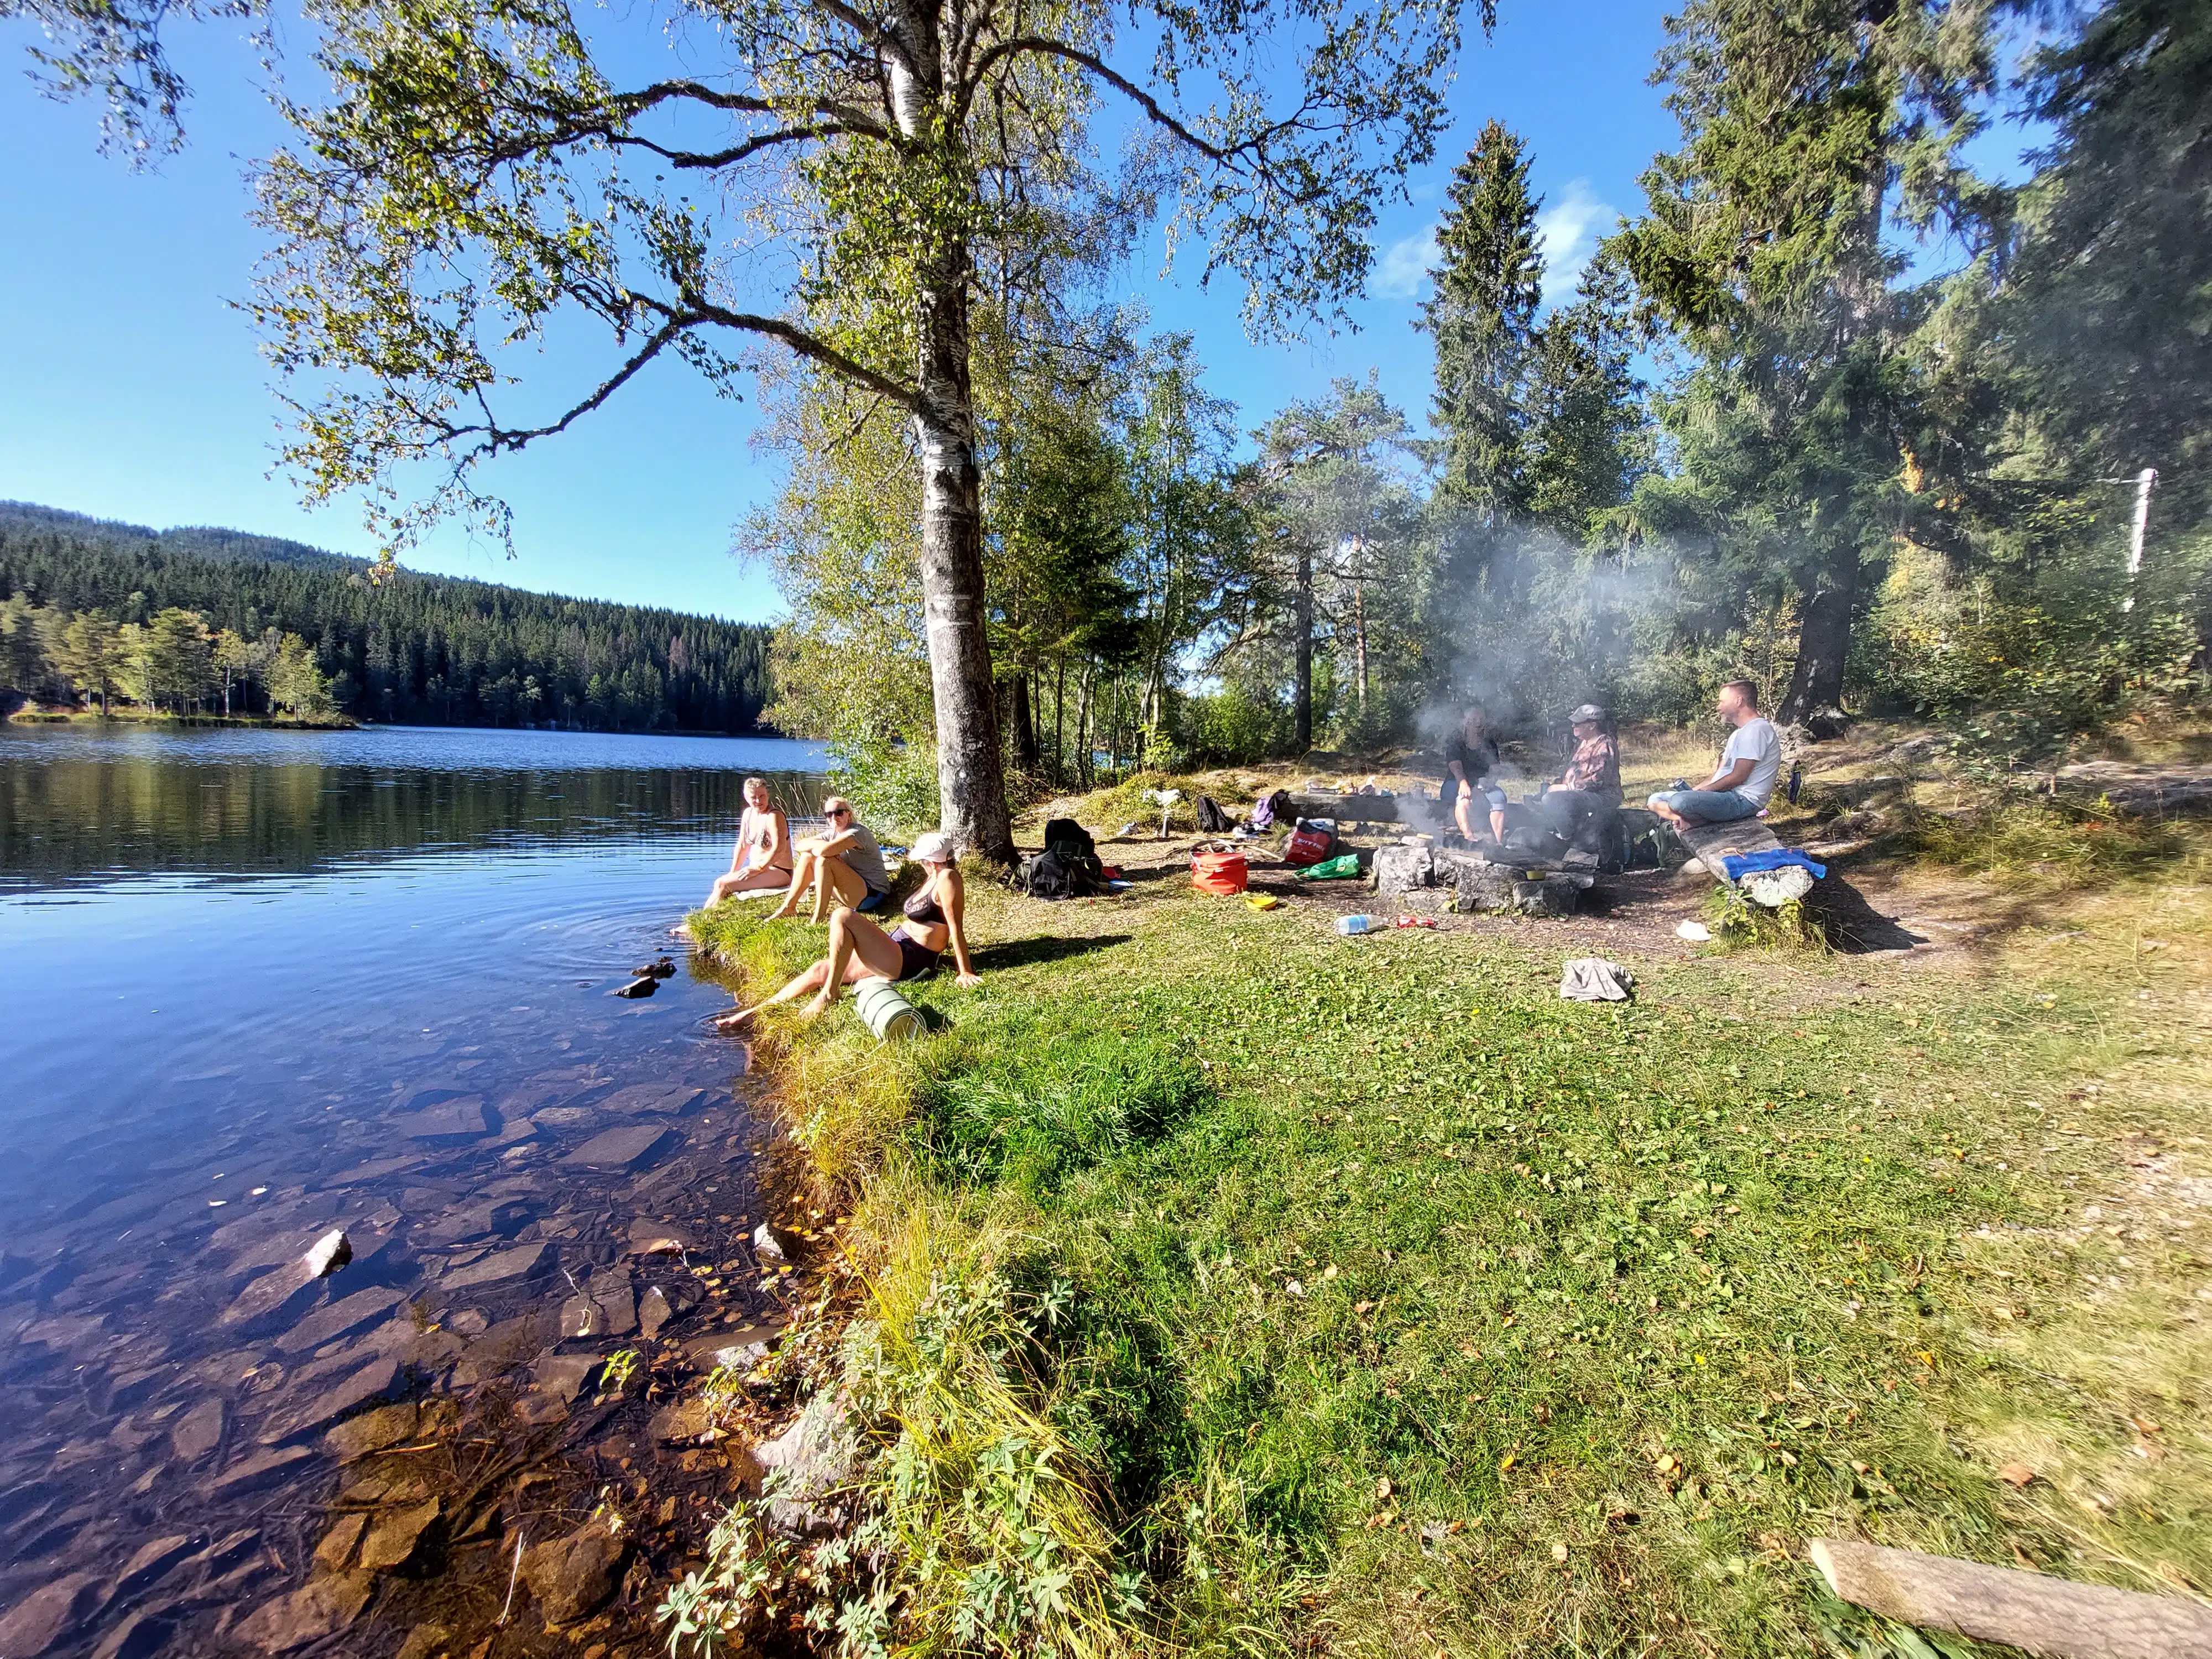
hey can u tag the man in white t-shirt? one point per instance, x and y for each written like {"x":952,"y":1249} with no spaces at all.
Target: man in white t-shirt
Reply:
{"x":1745,"y":780}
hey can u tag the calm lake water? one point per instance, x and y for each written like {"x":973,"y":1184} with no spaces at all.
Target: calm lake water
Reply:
{"x":259,"y":985}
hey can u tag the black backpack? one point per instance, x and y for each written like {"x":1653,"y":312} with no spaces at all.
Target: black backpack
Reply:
{"x":1067,"y":868}
{"x":1212,"y":820}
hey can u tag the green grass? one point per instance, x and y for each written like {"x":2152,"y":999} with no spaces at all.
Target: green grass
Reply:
{"x":1407,"y":1310}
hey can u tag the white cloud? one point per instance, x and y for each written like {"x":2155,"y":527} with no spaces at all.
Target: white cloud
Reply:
{"x":1406,"y":265}
{"x":1566,"y":236}
{"x":1563,"y":236}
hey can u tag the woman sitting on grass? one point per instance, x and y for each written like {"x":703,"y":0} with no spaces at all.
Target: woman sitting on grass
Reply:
{"x":936,"y":920}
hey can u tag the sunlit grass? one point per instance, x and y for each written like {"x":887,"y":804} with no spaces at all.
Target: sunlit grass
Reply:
{"x":1414,"y":1308}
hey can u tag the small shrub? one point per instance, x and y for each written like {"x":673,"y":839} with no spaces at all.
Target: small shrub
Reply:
{"x":1739,"y":924}
{"x":894,"y":785}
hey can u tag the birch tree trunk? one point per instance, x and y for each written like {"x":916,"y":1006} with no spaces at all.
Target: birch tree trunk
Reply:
{"x":971,"y":772}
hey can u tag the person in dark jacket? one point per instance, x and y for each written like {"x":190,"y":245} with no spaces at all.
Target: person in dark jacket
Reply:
{"x":1470,"y":758}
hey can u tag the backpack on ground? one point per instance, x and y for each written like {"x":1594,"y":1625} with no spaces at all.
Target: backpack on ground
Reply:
{"x":1067,"y":868}
{"x":1212,"y":820}
{"x":1310,"y":843}
{"x":1270,"y":808}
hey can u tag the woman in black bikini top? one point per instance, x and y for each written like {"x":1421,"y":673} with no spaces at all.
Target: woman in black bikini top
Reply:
{"x":935,"y":922}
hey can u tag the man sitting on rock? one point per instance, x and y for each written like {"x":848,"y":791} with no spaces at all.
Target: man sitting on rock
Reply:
{"x":1745,"y":780}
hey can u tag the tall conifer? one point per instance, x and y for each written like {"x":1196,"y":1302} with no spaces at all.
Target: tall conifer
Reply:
{"x":1489,"y":283}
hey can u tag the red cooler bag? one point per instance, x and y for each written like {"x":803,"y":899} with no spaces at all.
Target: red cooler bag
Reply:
{"x":1308,"y":845}
{"x":1218,"y":872}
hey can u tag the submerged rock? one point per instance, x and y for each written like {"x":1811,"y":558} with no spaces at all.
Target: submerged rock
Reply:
{"x":630,"y":1147}
{"x":252,"y":1473}
{"x":350,"y":1313}
{"x":608,"y":1307}
{"x":426,"y":1642}
{"x":152,"y":1561}
{"x":767,"y":1245}
{"x":377,"y":1380}
{"x":393,"y":1539}
{"x":654,"y":1099}
{"x":37,"y":1624}
{"x":574,"y":1577}
{"x":372,"y":1431}
{"x":198,"y":1432}
{"x":334,"y":1552}
{"x":518,"y":1263}
{"x":287,"y":1291}
{"x":320,"y":1607}
{"x":565,"y":1375}
{"x":461,"y":1118}
{"x":141,"y":1636}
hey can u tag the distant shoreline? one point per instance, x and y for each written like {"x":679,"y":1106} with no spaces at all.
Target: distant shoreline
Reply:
{"x":35,"y":716}
{"x":29,"y":716}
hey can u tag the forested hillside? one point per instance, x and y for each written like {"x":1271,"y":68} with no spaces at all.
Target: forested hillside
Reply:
{"x":430,"y":650}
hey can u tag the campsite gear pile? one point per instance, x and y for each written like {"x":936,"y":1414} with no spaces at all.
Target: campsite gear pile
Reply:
{"x":1067,"y":868}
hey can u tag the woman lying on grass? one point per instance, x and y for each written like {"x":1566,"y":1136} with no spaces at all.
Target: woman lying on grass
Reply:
{"x":936,"y":920}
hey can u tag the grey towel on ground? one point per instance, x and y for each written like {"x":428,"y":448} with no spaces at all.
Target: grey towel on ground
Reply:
{"x":1593,"y":979}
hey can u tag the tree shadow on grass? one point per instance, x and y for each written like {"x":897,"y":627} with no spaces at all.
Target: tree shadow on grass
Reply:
{"x":1025,"y":952}
{"x":1853,"y":926}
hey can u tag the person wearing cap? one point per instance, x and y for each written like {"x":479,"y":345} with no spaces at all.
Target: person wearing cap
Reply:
{"x":1591,"y":783}
{"x":936,"y":921}
{"x":844,"y":864}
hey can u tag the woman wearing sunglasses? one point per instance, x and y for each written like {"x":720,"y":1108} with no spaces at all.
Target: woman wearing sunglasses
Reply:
{"x":936,"y":921}
{"x":843,"y":865}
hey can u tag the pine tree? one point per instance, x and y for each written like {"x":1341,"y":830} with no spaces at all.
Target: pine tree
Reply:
{"x":1489,"y":283}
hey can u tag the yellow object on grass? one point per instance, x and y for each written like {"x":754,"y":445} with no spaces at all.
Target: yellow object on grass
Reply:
{"x":1263,"y":900}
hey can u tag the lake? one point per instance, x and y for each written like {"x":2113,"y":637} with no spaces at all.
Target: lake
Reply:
{"x":260,"y":984}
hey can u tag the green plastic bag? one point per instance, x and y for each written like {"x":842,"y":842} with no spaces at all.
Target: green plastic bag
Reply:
{"x":1343,"y":865}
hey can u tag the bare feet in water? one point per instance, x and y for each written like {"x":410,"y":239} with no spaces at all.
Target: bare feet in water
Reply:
{"x":735,"y":1020}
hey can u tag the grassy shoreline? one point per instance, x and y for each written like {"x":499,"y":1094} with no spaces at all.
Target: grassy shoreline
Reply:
{"x":1360,"y":1295}
{"x":33,"y":716}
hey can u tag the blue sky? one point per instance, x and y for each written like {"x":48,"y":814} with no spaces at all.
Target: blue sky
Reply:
{"x":130,"y":389}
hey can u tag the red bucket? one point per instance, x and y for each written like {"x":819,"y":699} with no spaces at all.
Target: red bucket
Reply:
{"x":1218,"y":872}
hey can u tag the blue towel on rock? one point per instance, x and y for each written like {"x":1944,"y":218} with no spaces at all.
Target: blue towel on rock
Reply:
{"x":1737,"y":865}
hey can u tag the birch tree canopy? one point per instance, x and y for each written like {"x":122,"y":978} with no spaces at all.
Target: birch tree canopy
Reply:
{"x":818,"y":177}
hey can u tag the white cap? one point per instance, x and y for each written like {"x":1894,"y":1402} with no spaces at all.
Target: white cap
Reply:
{"x":934,"y":847}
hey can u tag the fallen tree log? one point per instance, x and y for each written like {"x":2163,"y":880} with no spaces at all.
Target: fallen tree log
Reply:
{"x":1711,"y":842}
{"x":2143,"y":791}
{"x":2032,"y":1611}
{"x":1422,"y":811}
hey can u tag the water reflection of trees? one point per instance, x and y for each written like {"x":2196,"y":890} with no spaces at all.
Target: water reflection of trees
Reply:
{"x":64,"y":820}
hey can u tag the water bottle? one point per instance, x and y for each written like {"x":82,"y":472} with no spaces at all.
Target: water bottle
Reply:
{"x":1349,"y":925}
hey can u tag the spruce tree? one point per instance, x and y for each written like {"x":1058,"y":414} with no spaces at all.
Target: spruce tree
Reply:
{"x":1587,"y":439}
{"x":1489,"y":283}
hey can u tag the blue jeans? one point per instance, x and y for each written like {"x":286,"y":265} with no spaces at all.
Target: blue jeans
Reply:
{"x":1706,"y":806}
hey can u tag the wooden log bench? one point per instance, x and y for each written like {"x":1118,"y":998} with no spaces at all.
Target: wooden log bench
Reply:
{"x":1709,"y":843}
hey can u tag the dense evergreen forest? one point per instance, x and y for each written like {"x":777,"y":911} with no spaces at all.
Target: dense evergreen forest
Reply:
{"x":410,"y":648}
